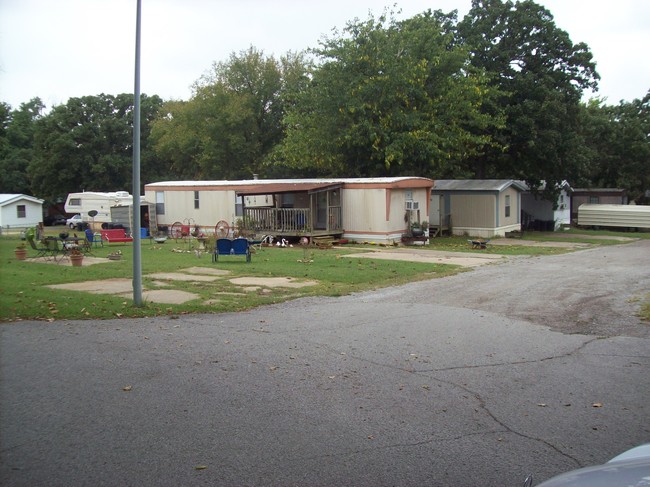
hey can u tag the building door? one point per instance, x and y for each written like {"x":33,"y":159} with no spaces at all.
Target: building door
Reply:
{"x":321,"y":210}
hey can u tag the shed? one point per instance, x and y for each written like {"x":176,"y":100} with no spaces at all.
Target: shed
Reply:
{"x":625,"y":216}
{"x":538,"y":213}
{"x":20,"y":211}
{"x":596,"y":196}
{"x":476,"y":207}
{"x":360,"y":209}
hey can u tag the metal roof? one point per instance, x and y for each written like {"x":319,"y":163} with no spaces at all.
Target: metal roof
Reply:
{"x":6,"y":198}
{"x":267,"y":186}
{"x":476,"y":184}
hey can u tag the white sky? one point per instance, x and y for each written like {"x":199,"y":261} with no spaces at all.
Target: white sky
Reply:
{"x":57,"y":49}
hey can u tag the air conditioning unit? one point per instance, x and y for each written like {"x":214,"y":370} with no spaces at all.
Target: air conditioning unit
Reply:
{"x":412,"y":205}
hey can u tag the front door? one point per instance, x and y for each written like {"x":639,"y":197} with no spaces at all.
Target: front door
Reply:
{"x":321,"y":210}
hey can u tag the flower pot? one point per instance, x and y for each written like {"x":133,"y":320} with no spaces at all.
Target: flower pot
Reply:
{"x":21,"y":254}
{"x":76,"y":260}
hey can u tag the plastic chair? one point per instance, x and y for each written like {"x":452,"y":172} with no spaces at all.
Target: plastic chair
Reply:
{"x":94,"y":238}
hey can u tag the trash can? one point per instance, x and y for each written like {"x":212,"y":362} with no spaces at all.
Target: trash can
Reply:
{"x":144,"y":232}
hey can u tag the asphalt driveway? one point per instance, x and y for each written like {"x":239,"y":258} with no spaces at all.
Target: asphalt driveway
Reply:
{"x":531,"y":365}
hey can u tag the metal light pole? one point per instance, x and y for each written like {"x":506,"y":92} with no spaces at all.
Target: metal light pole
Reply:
{"x":137,"y":251}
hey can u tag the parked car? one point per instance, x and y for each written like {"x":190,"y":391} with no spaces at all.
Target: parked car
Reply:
{"x":630,"y":468}
{"x":74,"y":221}
{"x":51,"y":220}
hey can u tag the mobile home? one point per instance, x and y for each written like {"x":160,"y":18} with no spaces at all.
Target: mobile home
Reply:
{"x":545,"y":215}
{"x":360,"y":209}
{"x":477,"y":207}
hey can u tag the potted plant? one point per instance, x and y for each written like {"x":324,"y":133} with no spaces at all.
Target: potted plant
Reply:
{"x":76,"y":257}
{"x":416,"y":229}
{"x":117,"y":255}
{"x":21,"y":251}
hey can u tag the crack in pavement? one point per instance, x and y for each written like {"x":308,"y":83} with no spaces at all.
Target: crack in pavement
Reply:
{"x":477,"y":396}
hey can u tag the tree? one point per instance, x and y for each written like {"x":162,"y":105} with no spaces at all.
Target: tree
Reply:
{"x":618,"y":146}
{"x":87,"y":144}
{"x":233,"y":120}
{"x":542,"y":75}
{"x":390,"y":98}
{"x":16,"y":144}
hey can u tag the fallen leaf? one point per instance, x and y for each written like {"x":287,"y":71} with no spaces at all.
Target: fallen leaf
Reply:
{"x":542,"y":405}
{"x":200,"y":467}
{"x":597,"y":405}
{"x":127,"y":388}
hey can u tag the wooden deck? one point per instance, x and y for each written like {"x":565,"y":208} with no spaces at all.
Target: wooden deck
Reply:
{"x":291,"y":222}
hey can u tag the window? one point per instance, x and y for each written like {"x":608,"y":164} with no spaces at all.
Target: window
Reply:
{"x":160,"y":202}
{"x":594,"y":200}
{"x":196,"y":200}
{"x":22,"y":211}
{"x":507,"y":205}
{"x":74,"y":202}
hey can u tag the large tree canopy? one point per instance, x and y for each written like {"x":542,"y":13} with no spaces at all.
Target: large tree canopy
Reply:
{"x":542,"y":75}
{"x":618,"y":143}
{"x":390,"y":98}
{"x":232,"y":121}
{"x":87,"y":144}
{"x":17,"y":128}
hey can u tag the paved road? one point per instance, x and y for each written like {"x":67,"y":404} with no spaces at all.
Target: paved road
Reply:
{"x":531,"y":365}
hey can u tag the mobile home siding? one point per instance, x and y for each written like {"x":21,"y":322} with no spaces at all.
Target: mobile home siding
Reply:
{"x":179,"y":206}
{"x":475,"y":212}
{"x":515,"y":208}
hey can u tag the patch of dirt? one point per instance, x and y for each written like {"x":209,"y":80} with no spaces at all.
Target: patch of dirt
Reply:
{"x":271,"y":282}
{"x":88,"y":260}
{"x":178,"y":276}
{"x":431,"y":257}
{"x":124,"y":287}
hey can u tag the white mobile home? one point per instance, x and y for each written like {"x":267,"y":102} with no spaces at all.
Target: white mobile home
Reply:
{"x":360,"y":209}
{"x":87,"y":201}
{"x":20,"y":211}
{"x":542,"y":214}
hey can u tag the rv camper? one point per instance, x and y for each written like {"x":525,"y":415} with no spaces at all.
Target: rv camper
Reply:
{"x":87,"y":201}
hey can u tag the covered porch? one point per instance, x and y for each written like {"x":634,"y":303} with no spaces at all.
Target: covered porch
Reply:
{"x":288,"y":211}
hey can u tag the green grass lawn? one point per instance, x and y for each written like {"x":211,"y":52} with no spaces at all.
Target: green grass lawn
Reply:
{"x":24,"y":295}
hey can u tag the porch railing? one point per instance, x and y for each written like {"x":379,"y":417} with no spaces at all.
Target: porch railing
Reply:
{"x":277,"y":220}
{"x":289,"y":220}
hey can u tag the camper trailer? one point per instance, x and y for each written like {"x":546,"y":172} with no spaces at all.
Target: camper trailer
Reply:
{"x":87,"y":201}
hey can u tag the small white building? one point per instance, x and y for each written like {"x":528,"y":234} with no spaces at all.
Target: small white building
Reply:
{"x":20,"y":211}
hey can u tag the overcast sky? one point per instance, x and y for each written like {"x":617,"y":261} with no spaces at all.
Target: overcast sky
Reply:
{"x":58,"y":49}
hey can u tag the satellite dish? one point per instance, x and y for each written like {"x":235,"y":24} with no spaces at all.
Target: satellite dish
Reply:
{"x":92,"y":213}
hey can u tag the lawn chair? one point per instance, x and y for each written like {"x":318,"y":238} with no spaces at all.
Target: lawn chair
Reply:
{"x":94,"y":238}
{"x":241,"y":246}
{"x":41,"y":251}
{"x":54,"y":251}
{"x":238,"y":246}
